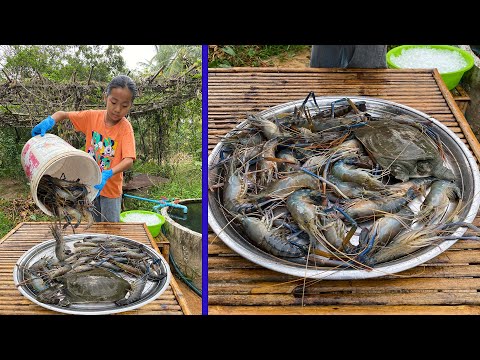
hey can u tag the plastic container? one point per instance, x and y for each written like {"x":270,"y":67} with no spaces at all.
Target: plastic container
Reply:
{"x":451,"y":79}
{"x":154,"y":229}
{"x":50,"y":155}
{"x":186,"y":243}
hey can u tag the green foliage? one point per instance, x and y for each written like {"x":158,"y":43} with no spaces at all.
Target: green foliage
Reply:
{"x":148,"y":167}
{"x":188,"y":135}
{"x":12,"y":141}
{"x":227,"y":49}
{"x":174,"y":58}
{"x":5,"y":225}
{"x":175,"y":129}
{"x":250,"y":55}
{"x":186,"y":182}
{"x":24,"y":61}
{"x":62,"y":62}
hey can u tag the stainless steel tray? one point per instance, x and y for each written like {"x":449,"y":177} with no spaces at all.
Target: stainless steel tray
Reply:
{"x":458,"y":158}
{"x":47,"y":248}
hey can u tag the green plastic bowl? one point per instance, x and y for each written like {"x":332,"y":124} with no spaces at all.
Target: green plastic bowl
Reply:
{"x":451,"y":79}
{"x":154,"y":229}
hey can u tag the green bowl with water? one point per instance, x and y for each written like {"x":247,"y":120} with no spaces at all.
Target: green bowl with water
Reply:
{"x":451,"y":79}
{"x":135,"y":215}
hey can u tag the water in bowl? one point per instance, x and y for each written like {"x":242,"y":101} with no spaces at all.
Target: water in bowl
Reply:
{"x":192,"y":219}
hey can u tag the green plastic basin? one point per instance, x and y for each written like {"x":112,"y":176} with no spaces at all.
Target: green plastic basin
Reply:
{"x":451,"y":79}
{"x":154,"y":229}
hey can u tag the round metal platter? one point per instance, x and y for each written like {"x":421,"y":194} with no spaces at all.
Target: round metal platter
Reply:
{"x":459,"y":159}
{"x":152,"y":290}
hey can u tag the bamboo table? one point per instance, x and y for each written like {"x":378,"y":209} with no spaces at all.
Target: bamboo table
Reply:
{"x":447,"y":284}
{"x":28,"y":234}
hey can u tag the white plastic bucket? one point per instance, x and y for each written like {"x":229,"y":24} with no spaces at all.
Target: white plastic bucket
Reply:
{"x":50,"y":155}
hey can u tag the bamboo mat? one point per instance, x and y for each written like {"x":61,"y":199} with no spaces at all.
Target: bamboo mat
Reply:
{"x":447,"y":284}
{"x":26,"y":235}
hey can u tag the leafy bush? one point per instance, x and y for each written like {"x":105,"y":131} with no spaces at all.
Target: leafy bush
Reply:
{"x":12,"y":141}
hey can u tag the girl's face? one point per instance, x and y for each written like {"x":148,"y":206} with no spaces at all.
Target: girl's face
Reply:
{"x":119,"y":103}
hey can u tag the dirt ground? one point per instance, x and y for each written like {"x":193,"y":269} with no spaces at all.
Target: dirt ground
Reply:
{"x":12,"y":189}
{"x":301,"y":60}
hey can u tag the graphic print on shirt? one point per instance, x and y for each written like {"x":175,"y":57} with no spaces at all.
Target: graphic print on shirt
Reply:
{"x":102,"y":150}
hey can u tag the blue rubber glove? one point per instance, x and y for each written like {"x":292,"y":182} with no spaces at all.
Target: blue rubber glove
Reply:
{"x":44,"y":126}
{"x":106,"y":174}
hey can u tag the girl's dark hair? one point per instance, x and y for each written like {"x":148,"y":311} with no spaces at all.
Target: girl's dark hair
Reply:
{"x":122,"y":81}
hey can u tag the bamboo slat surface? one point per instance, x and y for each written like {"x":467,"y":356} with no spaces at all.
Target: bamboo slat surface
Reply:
{"x":447,"y":284}
{"x":26,"y":235}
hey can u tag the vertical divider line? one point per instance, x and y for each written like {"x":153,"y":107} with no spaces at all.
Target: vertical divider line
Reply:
{"x":204,"y":179}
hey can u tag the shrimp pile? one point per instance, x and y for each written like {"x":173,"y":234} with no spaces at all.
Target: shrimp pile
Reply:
{"x":94,"y":269}
{"x":336,"y":186}
{"x":67,"y":200}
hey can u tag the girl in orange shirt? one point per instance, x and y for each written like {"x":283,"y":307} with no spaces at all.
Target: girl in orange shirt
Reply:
{"x":109,"y":140}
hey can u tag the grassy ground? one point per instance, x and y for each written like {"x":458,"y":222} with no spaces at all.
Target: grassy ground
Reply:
{"x":5,"y":224}
{"x":252,"y":55}
{"x":185,"y":183}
